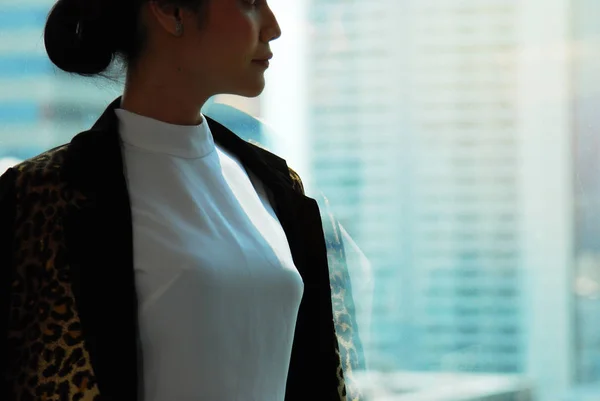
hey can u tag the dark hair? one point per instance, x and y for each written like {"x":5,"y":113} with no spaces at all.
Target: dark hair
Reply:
{"x":85,"y":36}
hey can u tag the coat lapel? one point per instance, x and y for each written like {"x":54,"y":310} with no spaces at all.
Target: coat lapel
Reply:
{"x":99,"y":239}
{"x":100,"y":248}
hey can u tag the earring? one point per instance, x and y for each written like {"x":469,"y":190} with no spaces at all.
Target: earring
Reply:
{"x":179,"y":28}
{"x":79,"y":30}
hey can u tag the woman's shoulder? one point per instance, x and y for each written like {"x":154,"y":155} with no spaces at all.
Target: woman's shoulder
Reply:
{"x":294,"y":176}
{"x":35,"y":175}
{"x":296,"y":180}
{"x":48,"y":161}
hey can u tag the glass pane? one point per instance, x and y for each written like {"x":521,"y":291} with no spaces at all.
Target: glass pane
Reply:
{"x":454,"y":142}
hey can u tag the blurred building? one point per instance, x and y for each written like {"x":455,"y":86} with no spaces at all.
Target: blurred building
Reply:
{"x":586,"y":100}
{"x":430,"y":125}
{"x":40,"y":107}
{"x":415,"y":145}
{"x":358,"y":132}
{"x":466,"y":252}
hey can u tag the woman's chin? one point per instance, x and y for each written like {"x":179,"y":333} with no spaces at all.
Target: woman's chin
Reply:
{"x":252,"y":90}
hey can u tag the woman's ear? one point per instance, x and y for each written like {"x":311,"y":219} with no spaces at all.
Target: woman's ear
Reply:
{"x":167,"y":15}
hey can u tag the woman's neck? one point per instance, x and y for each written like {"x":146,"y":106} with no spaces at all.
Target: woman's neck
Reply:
{"x":161,"y":99}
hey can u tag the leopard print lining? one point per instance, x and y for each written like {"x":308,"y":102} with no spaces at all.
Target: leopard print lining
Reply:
{"x":50,"y":361}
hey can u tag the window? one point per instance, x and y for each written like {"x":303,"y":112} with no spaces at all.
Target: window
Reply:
{"x":458,"y":143}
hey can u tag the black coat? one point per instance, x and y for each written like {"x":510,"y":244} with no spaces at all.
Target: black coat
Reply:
{"x":68,"y":305}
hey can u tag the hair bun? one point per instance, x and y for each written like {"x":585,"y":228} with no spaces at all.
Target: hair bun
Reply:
{"x":85,"y":51}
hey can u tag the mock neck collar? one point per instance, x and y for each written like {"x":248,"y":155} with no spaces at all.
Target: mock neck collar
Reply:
{"x":151,"y":135}
{"x":85,"y":164}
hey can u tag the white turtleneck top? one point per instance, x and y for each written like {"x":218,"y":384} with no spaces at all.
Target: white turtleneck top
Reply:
{"x":218,"y":290}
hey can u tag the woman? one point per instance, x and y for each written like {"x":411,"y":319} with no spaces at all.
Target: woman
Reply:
{"x":158,"y":256}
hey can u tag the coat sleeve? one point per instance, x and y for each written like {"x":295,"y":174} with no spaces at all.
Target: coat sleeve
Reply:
{"x":348,"y":269}
{"x":7,"y":221}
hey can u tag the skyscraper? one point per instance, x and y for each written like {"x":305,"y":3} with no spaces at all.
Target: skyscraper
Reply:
{"x":430,"y":123}
{"x":414,"y":141}
{"x":586,"y":86}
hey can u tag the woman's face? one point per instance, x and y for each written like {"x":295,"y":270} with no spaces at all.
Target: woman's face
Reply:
{"x":220,"y":53}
